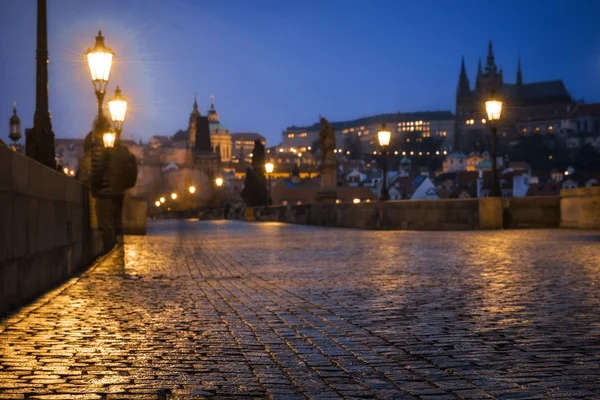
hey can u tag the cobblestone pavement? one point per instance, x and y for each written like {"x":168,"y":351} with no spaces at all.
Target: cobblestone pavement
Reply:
{"x":232,"y":310}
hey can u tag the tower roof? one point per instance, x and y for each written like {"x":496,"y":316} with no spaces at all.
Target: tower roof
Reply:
{"x":491,"y":62}
{"x":15,"y":118}
{"x":519,"y":72}
{"x":213,"y":117}
{"x":195,"y":110}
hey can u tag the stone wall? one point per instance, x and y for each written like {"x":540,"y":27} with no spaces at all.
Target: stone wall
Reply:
{"x":45,"y":233}
{"x":458,"y":214}
{"x":580,"y":208}
{"x":532,"y":212}
{"x":135,"y":215}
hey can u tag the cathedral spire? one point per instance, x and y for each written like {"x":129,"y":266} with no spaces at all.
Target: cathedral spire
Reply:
{"x":195,"y":103}
{"x":464,"y":86}
{"x":479,"y":71}
{"x":491,"y":63}
{"x":519,"y":73}
{"x":212,"y":113}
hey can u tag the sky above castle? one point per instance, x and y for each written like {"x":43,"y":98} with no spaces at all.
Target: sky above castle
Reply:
{"x":273,"y":63}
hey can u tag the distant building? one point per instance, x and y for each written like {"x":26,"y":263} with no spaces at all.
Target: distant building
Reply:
{"x":415,"y":188}
{"x":242,"y":145}
{"x":220,"y":138}
{"x":529,"y":108}
{"x":416,"y":131}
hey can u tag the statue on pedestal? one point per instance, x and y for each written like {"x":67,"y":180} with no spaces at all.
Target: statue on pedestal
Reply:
{"x":328,"y":168}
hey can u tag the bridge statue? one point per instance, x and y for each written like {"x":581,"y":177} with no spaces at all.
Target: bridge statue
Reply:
{"x":328,"y":168}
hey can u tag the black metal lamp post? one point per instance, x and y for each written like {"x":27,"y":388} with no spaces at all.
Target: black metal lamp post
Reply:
{"x":14,"y":132}
{"x":493,"y":108}
{"x":384,"y":137}
{"x":269,"y":167}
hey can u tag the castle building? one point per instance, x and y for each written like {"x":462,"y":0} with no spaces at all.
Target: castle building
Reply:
{"x":410,"y":132}
{"x":220,"y":138}
{"x":528,"y":108}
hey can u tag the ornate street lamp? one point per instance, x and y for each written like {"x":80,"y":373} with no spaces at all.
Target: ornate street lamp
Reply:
{"x":493,"y":108}
{"x":384,"y":136}
{"x":117,"y":106}
{"x":99,"y":60}
{"x":14,"y":132}
{"x":219,"y":182}
{"x":269,"y":167}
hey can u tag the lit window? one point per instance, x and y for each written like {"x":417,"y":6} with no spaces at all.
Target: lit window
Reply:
{"x":351,"y":129}
{"x":407,"y":140}
{"x":345,"y":131}
{"x":290,"y":135}
{"x":537,"y":129}
{"x":366,"y":132}
{"x":362,"y":128}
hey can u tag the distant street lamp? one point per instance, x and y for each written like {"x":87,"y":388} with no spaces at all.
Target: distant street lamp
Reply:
{"x":162,"y":199}
{"x":219,"y":182}
{"x":384,"y":137}
{"x":192,"y":189}
{"x":14,"y":132}
{"x":174,"y":196}
{"x":157,"y":203}
{"x":117,"y":106}
{"x":109,"y":139}
{"x":493,"y":108}
{"x":269,"y":167}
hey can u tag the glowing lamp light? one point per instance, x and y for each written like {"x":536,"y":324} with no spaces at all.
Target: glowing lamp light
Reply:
{"x":192,"y":189}
{"x":174,"y":196}
{"x":99,"y":60}
{"x":269,"y":167}
{"x":118,"y":107}
{"x":72,"y":173}
{"x":157,"y":203}
{"x":162,"y":199}
{"x":309,"y":148}
{"x":109,"y":139}
{"x":299,"y":154}
{"x":66,"y":170}
{"x":384,"y":136}
{"x":566,"y":172}
{"x":219,"y":182}
{"x":493,"y":108}
{"x":356,"y":201}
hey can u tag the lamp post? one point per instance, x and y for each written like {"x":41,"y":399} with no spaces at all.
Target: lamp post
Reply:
{"x":384,"y":137}
{"x":269,"y":167}
{"x":493,"y":108}
{"x":117,"y":106}
{"x":99,"y":60}
{"x":14,"y":132}
{"x":39,"y":142}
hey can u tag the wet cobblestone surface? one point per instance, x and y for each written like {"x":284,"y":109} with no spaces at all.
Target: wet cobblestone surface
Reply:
{"x":232,"y":310}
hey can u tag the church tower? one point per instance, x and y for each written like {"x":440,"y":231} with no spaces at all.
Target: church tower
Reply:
{"x":192,"y":125}
{"x":519,"y":73}
{"x":491,"y":79}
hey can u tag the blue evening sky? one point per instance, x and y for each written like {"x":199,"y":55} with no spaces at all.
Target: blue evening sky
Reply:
{"x":275,"y":63}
